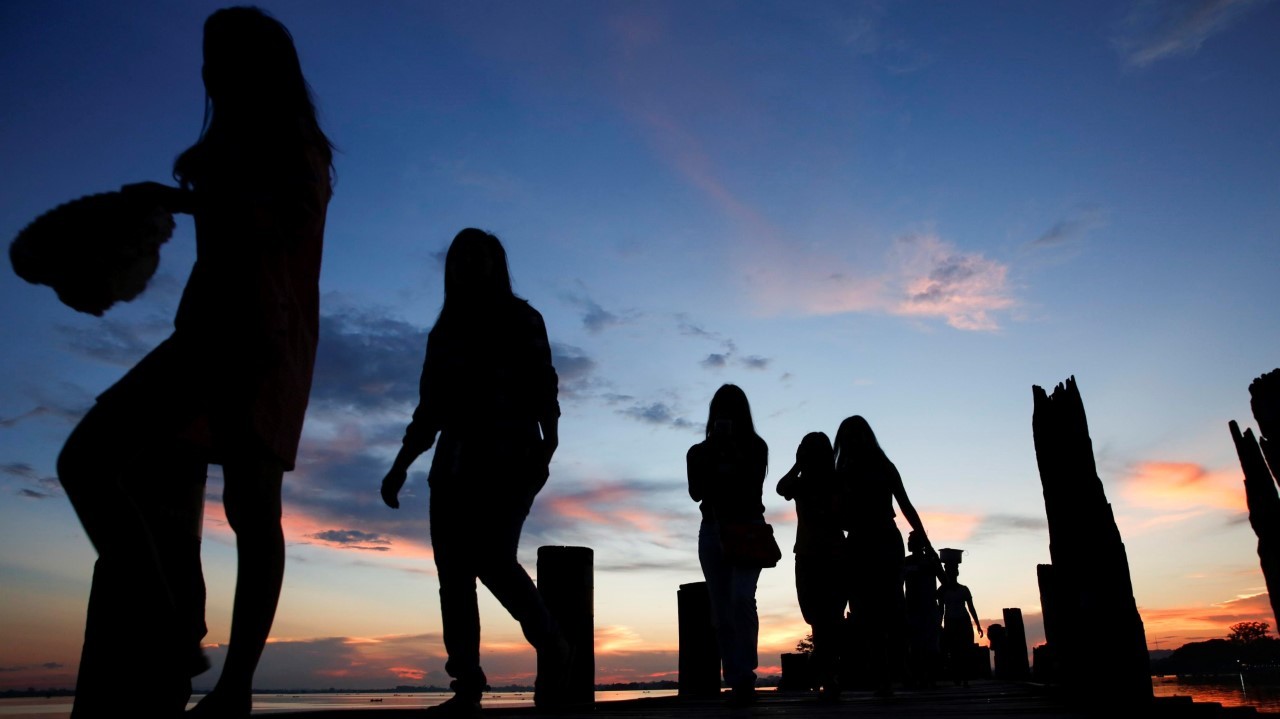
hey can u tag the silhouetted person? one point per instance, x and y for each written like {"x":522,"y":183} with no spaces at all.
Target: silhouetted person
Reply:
{"x":874,"y":550}
{"x":488,"y":389}
{"x":957,"y":630}
{"x":924,"y":615}
{"x":228,"y":387}
{"x":819,"y":554}
{"x":726,"y":474}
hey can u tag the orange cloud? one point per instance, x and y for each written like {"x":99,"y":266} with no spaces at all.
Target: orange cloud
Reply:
{"x":1183,"y":487}
{"x":1170,"y":627}
{"x":408,"y":673}
{"x":945,"y":527}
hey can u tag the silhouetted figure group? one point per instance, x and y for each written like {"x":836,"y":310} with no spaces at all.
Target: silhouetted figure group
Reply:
{"x":897,"y":612}
{"x":230,"y":387}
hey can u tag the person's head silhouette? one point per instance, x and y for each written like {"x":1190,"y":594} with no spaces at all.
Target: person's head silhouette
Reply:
{"x":475,"y":268}
{"x":856,"y":443}
{"x":815,"y":454}
{"x":251,"y":65}
{"x":730,"y":414}
{"x":256,"y":97}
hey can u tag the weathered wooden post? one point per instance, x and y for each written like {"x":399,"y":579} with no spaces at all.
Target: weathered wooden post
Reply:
{"x":699,"y":653}
{"x":1015,"y":645}
{"x":1045,"y":664}
{"x":1260,"y":481}
{"x":1100,"y":643}
{"x":566,"y":583}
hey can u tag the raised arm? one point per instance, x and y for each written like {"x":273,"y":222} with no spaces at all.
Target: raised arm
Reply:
{"x":789,"y":485}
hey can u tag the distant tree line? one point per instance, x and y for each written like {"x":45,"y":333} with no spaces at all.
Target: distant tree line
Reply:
{"x":1248,"y":647}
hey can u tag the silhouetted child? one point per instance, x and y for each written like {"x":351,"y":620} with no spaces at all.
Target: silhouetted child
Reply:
{"x":819,"y":545}
{"x":924,"y":615}
{"x":957,"y":630}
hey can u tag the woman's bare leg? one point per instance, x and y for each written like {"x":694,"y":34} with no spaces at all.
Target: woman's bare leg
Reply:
{"x":251,"y":497}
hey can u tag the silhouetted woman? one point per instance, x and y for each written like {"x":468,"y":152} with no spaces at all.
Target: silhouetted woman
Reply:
{"x":488,"y":388}
{"x":726,"y":474}
{"x":228,"y":387}
{"x":874,"y":548}
{"x":819,"y":550}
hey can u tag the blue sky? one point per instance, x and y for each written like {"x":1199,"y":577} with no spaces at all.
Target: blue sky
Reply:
{"x":909,"y":211}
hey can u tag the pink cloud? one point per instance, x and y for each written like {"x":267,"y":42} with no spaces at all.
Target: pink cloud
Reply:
{"x":610,"y":504}
{"x":1183,"y":489}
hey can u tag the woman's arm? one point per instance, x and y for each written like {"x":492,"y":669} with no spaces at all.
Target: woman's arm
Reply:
{"x":420,"y":435}
{"x":696,"y":468}
{"x":789,"y":485}
{"x":968,"y":598}
{"x":904,"y":503}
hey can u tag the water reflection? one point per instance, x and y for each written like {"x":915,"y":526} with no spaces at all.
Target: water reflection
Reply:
{"x":1227,"y":691}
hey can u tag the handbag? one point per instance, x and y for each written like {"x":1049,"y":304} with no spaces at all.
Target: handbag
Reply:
{"x":749,"y":544}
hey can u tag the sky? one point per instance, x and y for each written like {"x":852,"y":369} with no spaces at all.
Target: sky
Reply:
{"x":909,"y":211}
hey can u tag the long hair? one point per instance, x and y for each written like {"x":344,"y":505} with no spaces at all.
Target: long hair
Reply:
{"x":255,"y":97}
{"x":730,"y":403}
{"x":856,"y":445}
{"x":816,"y":456}
{"x":476,"y":277}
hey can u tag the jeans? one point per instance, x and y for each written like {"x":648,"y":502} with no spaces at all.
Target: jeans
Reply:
{"x":475,"y":536}
{"x":733,"y":607}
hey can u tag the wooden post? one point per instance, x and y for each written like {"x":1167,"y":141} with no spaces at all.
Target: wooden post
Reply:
{"x":1015,"y":641}
{"x":567,"y":587}
{"x":1260,"y":480}
{"x":1100,"y":644}
{"x":699,"y":653}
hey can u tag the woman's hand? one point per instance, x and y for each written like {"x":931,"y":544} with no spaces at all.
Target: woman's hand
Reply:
{"x":391,"y":485}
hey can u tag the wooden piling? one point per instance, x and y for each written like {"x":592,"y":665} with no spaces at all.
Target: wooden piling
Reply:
{"x":565,"y":580}
{"x":699,"y":653}
{"x":1100,"y":644}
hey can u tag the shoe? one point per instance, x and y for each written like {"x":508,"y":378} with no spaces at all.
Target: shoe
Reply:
{"x":458,"y":706}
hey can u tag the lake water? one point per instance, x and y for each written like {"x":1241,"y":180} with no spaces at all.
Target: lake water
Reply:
{"x":1227,"y":691}
{"x":1266,"y":698}
{"x":60,"y":707}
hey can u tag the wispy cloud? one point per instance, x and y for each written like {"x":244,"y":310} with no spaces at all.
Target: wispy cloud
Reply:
{"x":353,"y":539}
{"x":1072,"y":227}
{"x":659,"y":413}
{"x":116,"y":342}
{"x":574,"y":368}
{"x":595,"y":319}
{"x":1158,"y":29}
{"x":37,"y":485}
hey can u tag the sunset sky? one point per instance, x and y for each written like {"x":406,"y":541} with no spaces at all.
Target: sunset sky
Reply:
{"x":908,"y":211}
